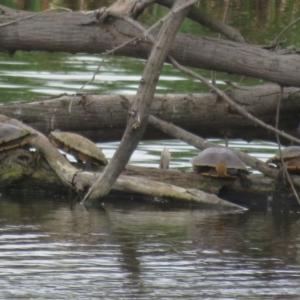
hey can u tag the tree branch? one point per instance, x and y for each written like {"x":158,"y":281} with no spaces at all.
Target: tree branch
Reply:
{"x":199,"y":16}
{"x":235,"y":106}
{"x":223,"y":95}
{"x":75,"y":32}
{"x":141,"y":107}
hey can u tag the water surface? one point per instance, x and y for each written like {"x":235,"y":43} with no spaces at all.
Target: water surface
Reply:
{"x":121,"y":249}
{"x":52,"y":248}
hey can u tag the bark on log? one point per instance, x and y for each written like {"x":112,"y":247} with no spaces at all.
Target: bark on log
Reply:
{"x":81,"y":32}
{"x":78,"y":180}
{"x":135,"y":8}
{"x":141,"y":106}
{"x":23,"y":173}
{"x":33,"y":173}
{"x":103,"y":117}
{"x":210,"y":22}
{"x":19,"y":173}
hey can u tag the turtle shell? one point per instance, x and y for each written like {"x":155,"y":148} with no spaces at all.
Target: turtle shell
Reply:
{"x":12,"y":136}
{"x":218,"y":162}
{"x":290,"y":156}
{"x":80,"y":147}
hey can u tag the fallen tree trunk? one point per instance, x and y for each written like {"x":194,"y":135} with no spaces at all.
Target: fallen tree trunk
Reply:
{"x":75,"y":32}
{"x":22,"y":173}
{"x":22,"y":170}
{"x":103,"y":117}
{"x":19,"y":173}
{"x":141,"y":106}
{"x":80,"y":180}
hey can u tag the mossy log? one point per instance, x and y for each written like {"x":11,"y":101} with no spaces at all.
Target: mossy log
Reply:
{"x":49,"y":171}
{"x":26,"y":172}
{"x":79,"y":180}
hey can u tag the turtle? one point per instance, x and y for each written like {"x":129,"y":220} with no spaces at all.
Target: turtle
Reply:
{"x":291,"y":158}
{"x":12,"y":136}
{"x":222,"y":163}
{"x":80,"y":147}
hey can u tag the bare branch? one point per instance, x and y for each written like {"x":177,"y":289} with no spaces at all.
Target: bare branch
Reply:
{"x":210,"y":22}
{"x":34,"y":15}
{"x":284,"y":30}
{"x":130,"y":8}
{"x":235,"y":106}
{"x":141,"y":107}
{"x":284,"y":170}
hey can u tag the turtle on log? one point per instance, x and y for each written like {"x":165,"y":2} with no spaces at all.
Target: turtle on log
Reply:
{"x":80,"y":147}
{"x":222,"y":163}
{"x":12,"y":136}
{"x":291,"y":159}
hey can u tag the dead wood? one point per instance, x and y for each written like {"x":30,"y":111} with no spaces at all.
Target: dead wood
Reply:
{"x":210,"y":22}
{"x":24,"y":176}
{"x":135,"y":8}
{"x":284,"y":169}
{"x":234,"y":106}
{"x":73,"y":32}
{"x":31,"y":172}
{"x":15,"y":165}
{"x":103,"y":117}
{"x":201,"y":144}
{"x":72,"y":178}
{"x":32,"y":175}
{"x":23,"y":172}
{"x":130,"y":8}
{"x":231,"y":102}
{"x":157,"y":189}
{"x":141,"y":106}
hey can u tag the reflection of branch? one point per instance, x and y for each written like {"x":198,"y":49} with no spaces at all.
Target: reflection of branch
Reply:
{"x":284,"y":169}
{"x":34,"y":15}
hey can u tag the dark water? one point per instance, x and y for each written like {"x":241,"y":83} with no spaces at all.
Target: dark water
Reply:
{"x":122,"y":249}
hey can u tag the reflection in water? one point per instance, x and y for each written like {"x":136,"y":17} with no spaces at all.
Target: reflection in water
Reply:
{"x":124,"y":250}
